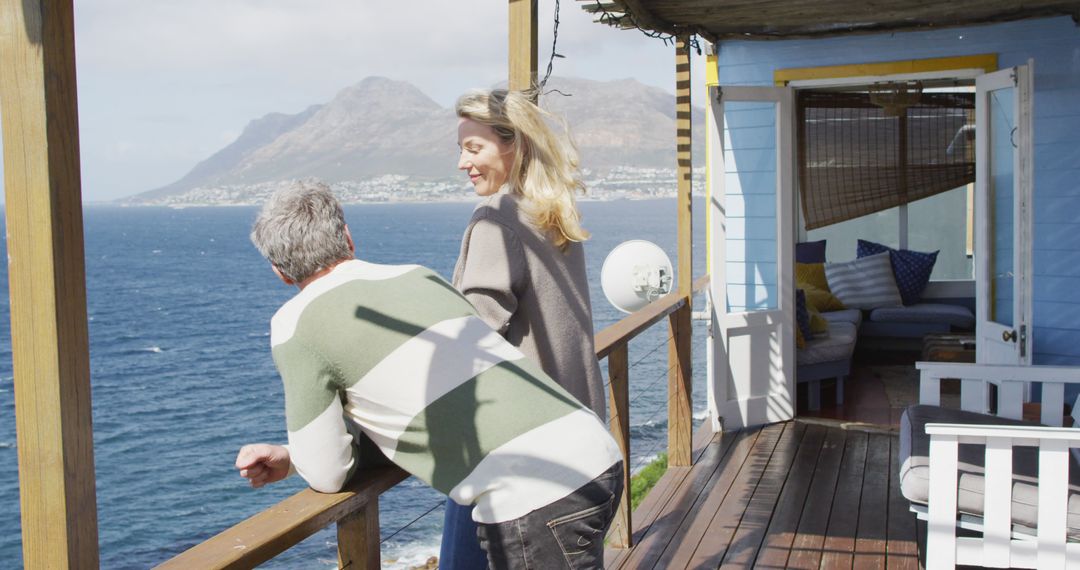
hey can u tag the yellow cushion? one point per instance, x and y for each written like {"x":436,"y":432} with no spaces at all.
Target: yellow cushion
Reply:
{"x":812,"y":274}
{"x":821,"y":299}
{"x":818,"y":323}
{"x":800,"y":342}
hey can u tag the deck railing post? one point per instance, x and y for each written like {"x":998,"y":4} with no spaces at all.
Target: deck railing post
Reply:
{"x":621,"y":532}
{"x":680,"y":413}
{"x":358,"y":539}
{"x":47,"y":276}
{"x":524,"y":54}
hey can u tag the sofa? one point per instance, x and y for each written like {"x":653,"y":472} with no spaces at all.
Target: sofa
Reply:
{"x":877,"y":297}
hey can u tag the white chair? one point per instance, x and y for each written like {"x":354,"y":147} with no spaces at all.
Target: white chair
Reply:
{"x":1024,"y":514}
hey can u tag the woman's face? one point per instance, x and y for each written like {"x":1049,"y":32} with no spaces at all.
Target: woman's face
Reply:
{"x":484,"y":156}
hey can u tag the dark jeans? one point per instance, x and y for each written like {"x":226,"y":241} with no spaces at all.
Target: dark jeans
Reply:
{"x":568,"y":533}
{"x":460,"y":549}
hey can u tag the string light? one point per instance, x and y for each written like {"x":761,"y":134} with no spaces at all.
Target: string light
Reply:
{"x":668,"y":39}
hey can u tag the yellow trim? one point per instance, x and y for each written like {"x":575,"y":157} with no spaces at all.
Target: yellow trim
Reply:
{"x":987,"y":62}
{"x":712,"y":79}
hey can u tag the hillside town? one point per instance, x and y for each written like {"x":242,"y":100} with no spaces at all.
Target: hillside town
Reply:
{"x":620,"y":183}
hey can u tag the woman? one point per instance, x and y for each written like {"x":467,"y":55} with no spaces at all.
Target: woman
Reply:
{"x":522,"y":264}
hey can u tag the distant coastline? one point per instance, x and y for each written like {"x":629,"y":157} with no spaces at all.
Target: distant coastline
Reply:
{"x":624,"y":183}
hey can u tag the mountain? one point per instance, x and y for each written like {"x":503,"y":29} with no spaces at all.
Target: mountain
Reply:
{"x":382,"y":127}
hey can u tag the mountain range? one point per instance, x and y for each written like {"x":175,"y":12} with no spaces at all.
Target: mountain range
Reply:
{"x":381,"y":127}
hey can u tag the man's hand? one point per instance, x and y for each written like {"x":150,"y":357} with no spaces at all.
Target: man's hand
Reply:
{"x":262,"y":463}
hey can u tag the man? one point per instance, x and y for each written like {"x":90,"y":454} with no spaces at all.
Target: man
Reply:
{"x":394,"y":352}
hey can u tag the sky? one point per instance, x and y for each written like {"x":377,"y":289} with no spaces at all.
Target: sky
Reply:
{"x":163,"y":84}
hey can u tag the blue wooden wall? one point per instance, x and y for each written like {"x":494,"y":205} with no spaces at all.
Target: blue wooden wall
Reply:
{"x":1054,"y":44}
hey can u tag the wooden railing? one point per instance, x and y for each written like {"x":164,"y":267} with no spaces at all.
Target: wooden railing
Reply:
{"x":356,"y":509}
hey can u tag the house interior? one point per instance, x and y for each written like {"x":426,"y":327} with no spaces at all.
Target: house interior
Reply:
{"x":883,"y":271}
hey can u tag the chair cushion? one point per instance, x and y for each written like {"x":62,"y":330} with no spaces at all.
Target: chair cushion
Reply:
{"x":952,"y":315}
{"x":839,"y":344}
{"x":915,"y":468}
{"x":853,"y":316}
{"x":911,"y":269}
{"x":864,"y":283}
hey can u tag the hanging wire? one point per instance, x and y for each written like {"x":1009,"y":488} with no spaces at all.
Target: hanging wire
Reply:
{"x":668,"y":39}
{"x":441,"y":503}
{"x":551,"y":60}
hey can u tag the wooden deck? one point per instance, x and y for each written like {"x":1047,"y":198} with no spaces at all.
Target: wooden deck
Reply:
{"x":808,"y":493}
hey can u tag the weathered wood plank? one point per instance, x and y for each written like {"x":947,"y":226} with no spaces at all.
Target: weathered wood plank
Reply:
{"x":619,"y":395}
{"x":872,"y":531}
{"x":844,"y":518}
{"x":681,"y":505}
{"x":689,"y":534}
{"x":721,"y":530}
{"x":47,"y":276}
{"x":278,"y":528}
{"x":901,"y":548}
{"x":632,"y":325}
{"x":684,"y":165}
{"x":776,"y":546}
{"x":810,"y":538}
{"x":747,"y":541}
{"x":358,"y":539}
{"x":648,"y":512}
{"x":523,"y":50}
{"x":680,"y":397}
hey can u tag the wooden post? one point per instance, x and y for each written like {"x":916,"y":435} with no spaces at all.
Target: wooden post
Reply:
{"x":680,"y":425}
{"x":620,"y":535}
{"x":523,"y":44}
{"x":50,"y":353}
{"x":358,"y":539}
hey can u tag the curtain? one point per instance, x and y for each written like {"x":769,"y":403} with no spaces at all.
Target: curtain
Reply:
{"x":855,"y":159}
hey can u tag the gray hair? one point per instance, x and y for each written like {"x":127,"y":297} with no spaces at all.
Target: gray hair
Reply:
{"x":301,"y":230}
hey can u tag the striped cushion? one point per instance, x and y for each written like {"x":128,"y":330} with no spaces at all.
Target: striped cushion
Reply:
{"x":864,"y":283}
{"x":911,"y":269}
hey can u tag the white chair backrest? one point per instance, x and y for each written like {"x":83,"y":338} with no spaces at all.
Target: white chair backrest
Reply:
{"x":1076,"y":425}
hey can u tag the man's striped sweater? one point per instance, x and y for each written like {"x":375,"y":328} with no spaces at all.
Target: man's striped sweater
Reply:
{"x":398,"y":352}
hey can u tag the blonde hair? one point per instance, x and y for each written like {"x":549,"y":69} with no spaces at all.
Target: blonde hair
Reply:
{"x":544,"y":171}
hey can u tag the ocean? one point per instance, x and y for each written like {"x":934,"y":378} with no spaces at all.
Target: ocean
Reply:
{"x":179,"y":305}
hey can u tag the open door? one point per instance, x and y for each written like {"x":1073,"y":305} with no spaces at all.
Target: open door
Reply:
{"x":1003,"y":219}
{"x":752,"y":378}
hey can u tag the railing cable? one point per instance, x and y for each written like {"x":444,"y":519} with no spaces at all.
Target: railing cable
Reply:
{"x":662,"y":344}
{"x":414,"y":521}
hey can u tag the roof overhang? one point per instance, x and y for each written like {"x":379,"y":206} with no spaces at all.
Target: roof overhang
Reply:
{"x":717,"y":20}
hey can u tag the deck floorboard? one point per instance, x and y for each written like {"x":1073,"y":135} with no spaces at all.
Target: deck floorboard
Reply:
{"x":798,"y":494}
{"x":813,"y":493}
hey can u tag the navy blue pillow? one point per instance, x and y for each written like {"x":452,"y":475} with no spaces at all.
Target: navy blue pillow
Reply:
{"x":810,"y":252}
{"x":911,"y":269}
{"x":802,"y":314}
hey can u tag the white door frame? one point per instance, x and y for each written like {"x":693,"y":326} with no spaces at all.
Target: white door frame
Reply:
{"x":991,"y":345}
{"x":744,"y":388}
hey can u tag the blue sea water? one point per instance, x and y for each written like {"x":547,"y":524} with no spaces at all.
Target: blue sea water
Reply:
{"x":179,"y":304}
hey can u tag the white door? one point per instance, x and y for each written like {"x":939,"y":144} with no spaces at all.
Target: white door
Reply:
{"x":751,"y":232}
{"x":1003,"y":190}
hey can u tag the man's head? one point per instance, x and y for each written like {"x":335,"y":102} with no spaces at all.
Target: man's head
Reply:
{"x":301,"y":231}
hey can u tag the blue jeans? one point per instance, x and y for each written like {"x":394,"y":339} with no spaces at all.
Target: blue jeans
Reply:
{"x":460,"y":548}
{"x":567,"y":534}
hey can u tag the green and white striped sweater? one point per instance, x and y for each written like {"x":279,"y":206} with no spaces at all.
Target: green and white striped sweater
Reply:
{"x":398,"y":352}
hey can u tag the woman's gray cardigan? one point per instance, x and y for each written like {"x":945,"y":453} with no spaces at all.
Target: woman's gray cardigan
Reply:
{"x":535,"y":295}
